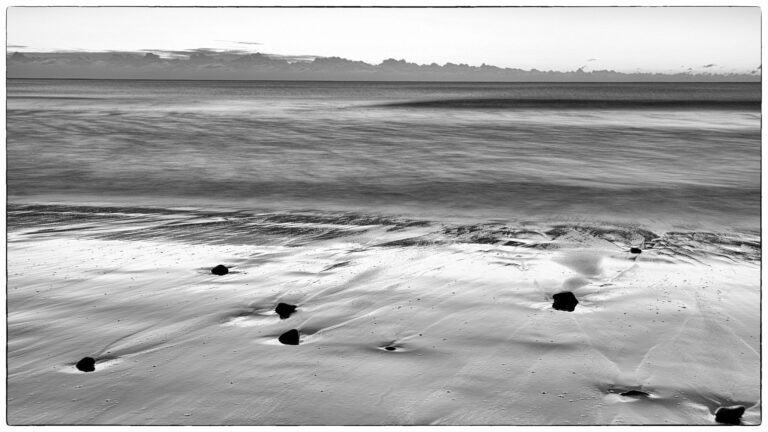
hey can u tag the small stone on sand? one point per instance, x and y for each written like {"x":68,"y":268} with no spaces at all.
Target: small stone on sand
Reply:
{"x":565,"y":301}
{"x":285,"y":310}
{"x":291,"y":337}
{"x":390,"y":348}
{"x":87,"y":364}
{"x":729,"y":415}
{"x":220,"y":270}
{"x":635,"y":394}
{"x":635,"y":250}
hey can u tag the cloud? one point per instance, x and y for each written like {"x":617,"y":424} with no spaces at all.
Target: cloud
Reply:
{"x":709,"y":65}
{"x":592,"y":59}
{"x":294,"y":58}
{"x":16,"y":46}
{"x":210,"y":63}
{"x":240,"y":42}
{"x":19,"y":57}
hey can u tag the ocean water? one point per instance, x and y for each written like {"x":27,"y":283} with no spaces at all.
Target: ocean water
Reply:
{"x":670,"y":156}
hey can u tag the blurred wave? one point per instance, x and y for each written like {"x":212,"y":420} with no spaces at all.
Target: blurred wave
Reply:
{"x":571,"y":104}
{"x":298,"y":228}
{"x":691,"y":157}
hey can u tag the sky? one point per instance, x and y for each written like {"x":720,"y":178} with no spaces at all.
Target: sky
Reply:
{"x":662,"y":39}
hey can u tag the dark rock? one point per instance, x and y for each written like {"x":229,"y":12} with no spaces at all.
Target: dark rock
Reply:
{"x":291,"y":337}
{"x":635,"y":250}
{"x":87,"y":364}
{"x":390,"y":348}
{"x":635,"y":394}
{"x":565,"y":301}
{"x":285,"y":310}
{"x":729,"y":415}
{"x":219,"y":270}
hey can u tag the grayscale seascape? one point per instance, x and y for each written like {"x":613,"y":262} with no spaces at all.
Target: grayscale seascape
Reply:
{"x":423,"y":231}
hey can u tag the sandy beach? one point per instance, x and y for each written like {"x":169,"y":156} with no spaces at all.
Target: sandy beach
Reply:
{"x":401,"y":322}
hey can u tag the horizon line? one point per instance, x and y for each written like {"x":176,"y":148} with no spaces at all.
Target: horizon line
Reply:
{"x":396,"y":81}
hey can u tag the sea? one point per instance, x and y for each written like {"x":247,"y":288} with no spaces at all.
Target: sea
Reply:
{"x":658,"y":156}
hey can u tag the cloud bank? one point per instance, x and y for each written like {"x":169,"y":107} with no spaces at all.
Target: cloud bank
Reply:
{"x":209,"y":64}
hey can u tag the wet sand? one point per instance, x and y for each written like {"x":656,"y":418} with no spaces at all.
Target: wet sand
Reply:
{"x":394,"y":329}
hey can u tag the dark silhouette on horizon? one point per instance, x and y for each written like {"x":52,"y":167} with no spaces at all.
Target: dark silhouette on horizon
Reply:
{"x":206,"y":64}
